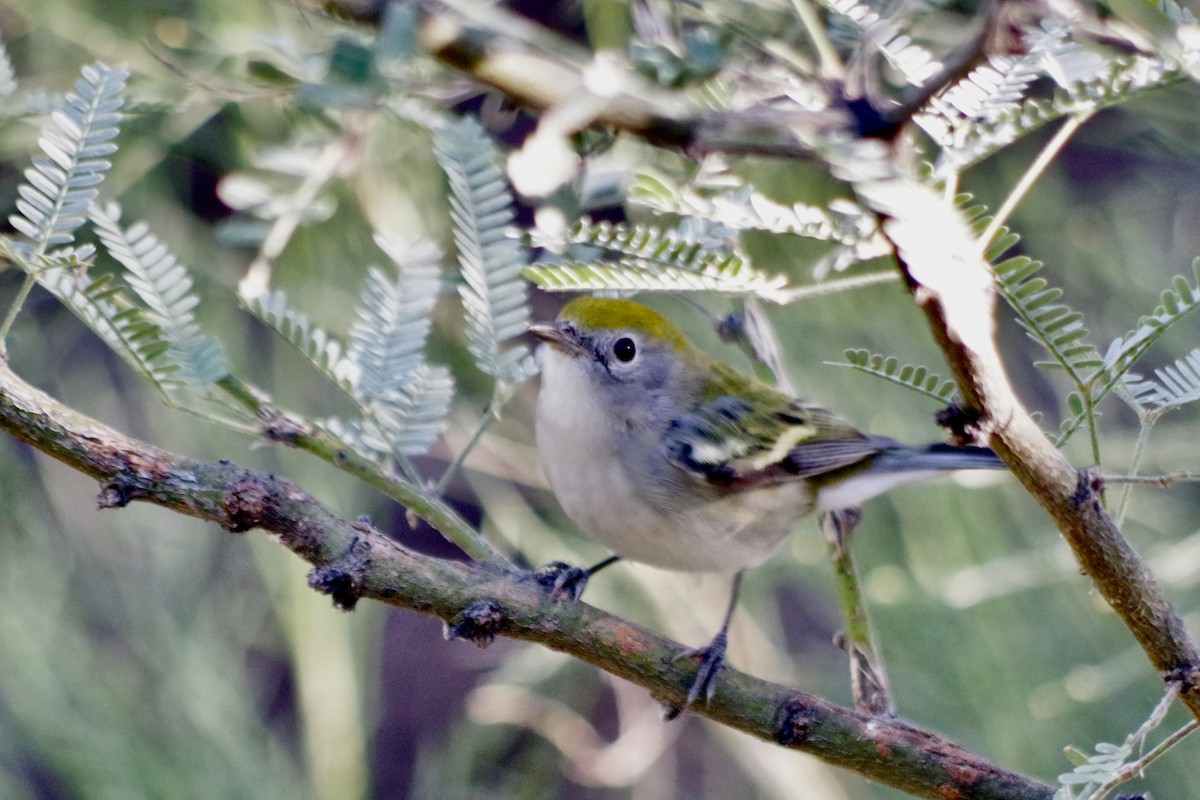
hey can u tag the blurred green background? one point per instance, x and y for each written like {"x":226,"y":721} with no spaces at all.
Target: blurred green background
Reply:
{"x":143,"y":654}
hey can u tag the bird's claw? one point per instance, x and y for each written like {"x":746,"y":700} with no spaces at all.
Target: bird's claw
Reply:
{"x":561,"y":580}
{"x":711,"y":658}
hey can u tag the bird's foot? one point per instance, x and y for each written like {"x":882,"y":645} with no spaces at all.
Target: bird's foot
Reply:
{"x":711,"y":659}
{"x":561,"y":580}
{"x":564,"y":582}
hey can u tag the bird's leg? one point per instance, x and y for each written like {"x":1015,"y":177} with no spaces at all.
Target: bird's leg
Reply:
{"x":563,"y":581}
{"x":711,"y":657}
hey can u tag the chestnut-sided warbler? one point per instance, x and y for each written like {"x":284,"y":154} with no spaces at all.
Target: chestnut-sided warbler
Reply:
{"x":672,"y":458}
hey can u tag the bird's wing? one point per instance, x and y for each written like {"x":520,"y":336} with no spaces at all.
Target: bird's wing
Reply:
{"x":732,"y":442}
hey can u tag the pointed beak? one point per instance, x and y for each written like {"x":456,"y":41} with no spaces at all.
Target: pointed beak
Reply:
{"x":559,"y":335}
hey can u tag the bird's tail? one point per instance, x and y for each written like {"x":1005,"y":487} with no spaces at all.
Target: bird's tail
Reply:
{"x":898,"y":464}
{"x":905,"y":458}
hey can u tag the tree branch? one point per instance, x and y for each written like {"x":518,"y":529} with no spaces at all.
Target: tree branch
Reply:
{"x":956,"y":291}
{"x":479,"y":601}
{"x":535,"y":68}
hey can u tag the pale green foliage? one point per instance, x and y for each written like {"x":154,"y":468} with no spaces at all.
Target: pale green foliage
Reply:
{"x":324,"y":351}
{"x":123,"y":327}
{"x":1061,"y":331}
{"x":404,"y":400}
{"x":55,"y":202}
{"x":1171,"y":387}
{"x":494,"y":297}
{"x":387,"y":341}
{"x":1097,"y":775}
{"x":1117,"y":82}
{"x":1095,"y":770}
{"x":843,"y":222}
{"x":913,"y":377}
{"x":1054,"y":325}
{"x":914,"y":62}
{"x":647,"y":259}
{"x":407,"y":420}
{"x":1180,"y":299}
{"x":61,"y":185}
{"x":975,"y":116}
{"x":745,"y":209}
{"x":164,"y":286}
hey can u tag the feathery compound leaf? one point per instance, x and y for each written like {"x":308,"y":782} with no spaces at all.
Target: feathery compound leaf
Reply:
{"x":842,"y":222}
{"x":494,"y":296}
{"x":323,"y":350}
{"x":745,"y":209}
{"x":917,"y":378}
{"x":1056,"y":326}
{"x":124,"y":328}
{"x":387,"y":341}
{"x":1176,"y":386}
{"x":994,"y":92}
{"x":650,"y":260}
{"x":1180,"y":299}
{"x":1086,"y":90}
{"x":165,"y":287}
{"x":406,"y":421}
{"x":61,"y":185}
{"x":915,"y":63}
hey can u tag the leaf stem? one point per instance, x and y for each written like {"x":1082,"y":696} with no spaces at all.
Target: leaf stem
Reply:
{"x":867,"y":678}
{"x":831,"y":64}
{"x":1161,"y":481}
{"x":280,"y":426}
{"x":1155,"y":719}
{"x":837,"y":286}
{"x":14,"y":309}
{"x":492,"y":414}
{"x":1137,"y":766}
{"x":1048,"y":153}
{"x":1139,"y":450}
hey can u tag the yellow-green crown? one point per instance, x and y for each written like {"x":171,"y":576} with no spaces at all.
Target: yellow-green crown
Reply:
{"x":595,"y":313}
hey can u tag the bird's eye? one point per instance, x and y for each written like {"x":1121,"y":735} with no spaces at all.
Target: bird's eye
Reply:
{"x":624,"y":349}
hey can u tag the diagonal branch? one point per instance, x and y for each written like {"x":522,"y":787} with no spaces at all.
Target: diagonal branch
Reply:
{"x":479,"y":602}
{"x":539,"y":69}
{"x":952,"y":284}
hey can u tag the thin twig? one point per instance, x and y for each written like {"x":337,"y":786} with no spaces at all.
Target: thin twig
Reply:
{"x":479,"y":602}
{"x":839,"y":285}
{"x":831,"y":64}
{"x":288,"y":429}
{"x":868,"y":682}
{"x":1132,"y":769}
{"x":1162,"y":481}
{"x":1035,"y":170}
{"x":1138,"y":737}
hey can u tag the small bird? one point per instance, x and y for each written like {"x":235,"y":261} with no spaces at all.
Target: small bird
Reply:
{"x":673,"y":458}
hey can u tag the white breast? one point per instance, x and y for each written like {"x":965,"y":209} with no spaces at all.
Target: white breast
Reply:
{"x":578,"y":442}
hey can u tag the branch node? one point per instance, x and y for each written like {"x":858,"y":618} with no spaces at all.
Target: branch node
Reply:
{"x":342,"y":578}
{"x":479,"y":623}
{"x":117,"y":493}
{"x":796,"y":723}
{"x":277,"y":431}
{"x":1089,"y":490}
{"x":1186,"y":677}
{"x":246,"y":505}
